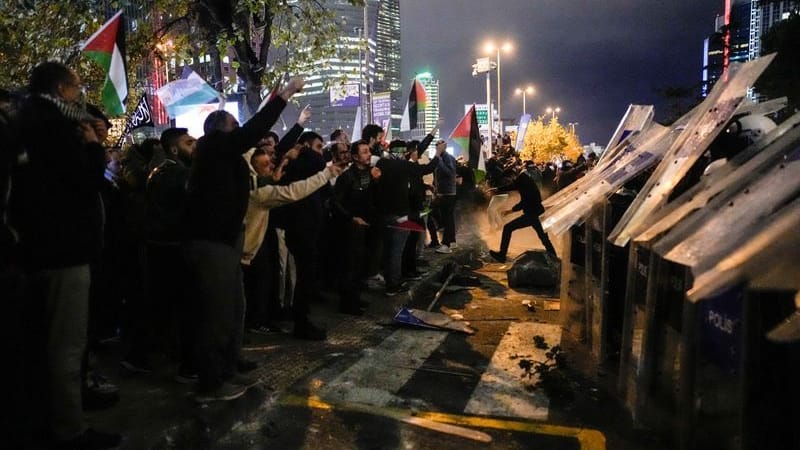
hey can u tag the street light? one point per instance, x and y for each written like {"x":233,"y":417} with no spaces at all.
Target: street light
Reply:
{"x":553,"y":111}
{"x":489,"y":48}
{"x":524,"y":92}
{"x":485,"y":65}
{"x":572,"y":126}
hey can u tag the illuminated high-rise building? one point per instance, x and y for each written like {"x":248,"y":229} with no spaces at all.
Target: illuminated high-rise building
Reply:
{"x":364,"y":72}
{"x":431,"y":86}
{"x":738,"y":33}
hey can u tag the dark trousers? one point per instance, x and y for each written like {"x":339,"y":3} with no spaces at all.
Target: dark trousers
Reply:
{"x":138,"y":328}
{"x":394,"y":241}
{"x":409,"y":265}
{"x":525,"y":220}
{"x":302,"y":242}
{"x":447,"y":203}
{"x":60,"y":298}
{"x":168,"y":288}
{"x":375,"y":246}
{"x":216,"y":277}
{"x":354,"y":251}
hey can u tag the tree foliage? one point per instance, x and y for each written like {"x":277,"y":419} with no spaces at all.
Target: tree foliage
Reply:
{"x":548,"y":140}
{"x":267,"y":39}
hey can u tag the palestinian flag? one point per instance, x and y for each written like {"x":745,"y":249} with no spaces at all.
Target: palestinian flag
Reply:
{"x":106,"y":47}
{"x":417,"y":102}
{"x":468,"y":137}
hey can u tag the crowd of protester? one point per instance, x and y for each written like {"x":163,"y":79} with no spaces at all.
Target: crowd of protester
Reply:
{"x":176,"y":245}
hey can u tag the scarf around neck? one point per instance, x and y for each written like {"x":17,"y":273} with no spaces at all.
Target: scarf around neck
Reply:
{"x":71,"y":111}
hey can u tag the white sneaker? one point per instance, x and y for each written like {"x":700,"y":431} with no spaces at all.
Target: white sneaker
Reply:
{"x":453,"y":245}
{"x":375,"y":282}
{"x":443,"y":249}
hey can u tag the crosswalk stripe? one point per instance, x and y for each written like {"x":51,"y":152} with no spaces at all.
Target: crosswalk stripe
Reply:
{"x":383,"y":370}
{"x":500,"y":391}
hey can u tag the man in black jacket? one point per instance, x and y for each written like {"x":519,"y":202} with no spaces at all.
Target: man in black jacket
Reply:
{"x":353,"y":212}
{"x":416,"y":194}
{"x":219,"y":191}
{"x":165,"y":222}
{"x":55,"y":206}
{"x":304,"y":221}
{"x":530,"y":204}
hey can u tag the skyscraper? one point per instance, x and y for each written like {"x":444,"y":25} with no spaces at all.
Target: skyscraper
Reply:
{"x":376,"y":70}
{"x":387,"y":57}
{"x":737,"y":35}
{"x":431,"y":86}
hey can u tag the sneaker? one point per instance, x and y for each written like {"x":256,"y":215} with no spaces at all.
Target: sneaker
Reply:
{"x":433,"y":245}
{"x":375,"y":282}
{"x":92,"y":440}
{"x":228,"y":391}
{"x":267,"y":329}
{"x":394,"y":290}
{"x":499,"y":257}
{"x":443,"y":249}
{"x":186,"y":377}
{"x":100,"y":384}
{"x":136,"y":366}
{"x":378,"y":278}
{"x":453,"y":245}
{"x":309,"y":331}
{"x":246,"y":365}
{"x":246,"y":381}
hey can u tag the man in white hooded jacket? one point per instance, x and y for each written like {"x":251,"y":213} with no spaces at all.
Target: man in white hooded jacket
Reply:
{"x":263,"y":197}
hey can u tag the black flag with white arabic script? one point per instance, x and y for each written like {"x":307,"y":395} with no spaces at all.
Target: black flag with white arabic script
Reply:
{"x":141,"y":116}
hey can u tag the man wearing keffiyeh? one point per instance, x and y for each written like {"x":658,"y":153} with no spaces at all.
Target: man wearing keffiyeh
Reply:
{"x":55,"y":207}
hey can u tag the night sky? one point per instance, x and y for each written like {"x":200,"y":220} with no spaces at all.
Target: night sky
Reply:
{"x":592,"y":58}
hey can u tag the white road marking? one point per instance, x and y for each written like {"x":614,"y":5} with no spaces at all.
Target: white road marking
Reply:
{"x":383,"y":370}
{"x":501,"y":391}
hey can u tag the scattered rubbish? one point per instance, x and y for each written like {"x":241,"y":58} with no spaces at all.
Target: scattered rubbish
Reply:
{"x":406,"y":317}
{"x":534,"y":268}
{"x":402,"y":415}
{"x":448,"y":273}
{"x":431,"y":320}
{"x":552,"y":306}
{"x":529,"y":305}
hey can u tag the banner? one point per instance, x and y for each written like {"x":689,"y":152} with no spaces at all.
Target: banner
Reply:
{"x":140,"y":117}
{"x":381,"y":108}
{"x":345,"y":95}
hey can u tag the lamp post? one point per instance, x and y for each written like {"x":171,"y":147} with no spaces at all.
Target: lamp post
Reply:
{"x":524,"y":92}
{"x":553,"y":111}
{"x":485,"y":65}
{"x":489,"y":48}
{"x":572,"y":126}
